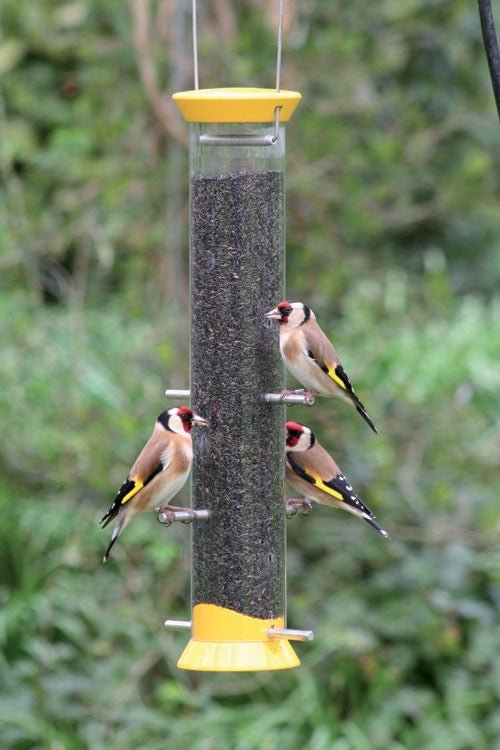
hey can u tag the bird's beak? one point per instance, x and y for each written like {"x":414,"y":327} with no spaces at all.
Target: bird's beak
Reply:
{"x":199,"y":421}
{"x":273,"y":314}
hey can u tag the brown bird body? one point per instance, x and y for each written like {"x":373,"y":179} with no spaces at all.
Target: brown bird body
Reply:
{"x":310,"y":356}
{"x":312,"y":471}
{"x":159,"y":472}
{"x":302,"y":348}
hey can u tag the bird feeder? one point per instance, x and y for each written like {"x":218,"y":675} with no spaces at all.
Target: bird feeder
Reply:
{"x":237,"y":242}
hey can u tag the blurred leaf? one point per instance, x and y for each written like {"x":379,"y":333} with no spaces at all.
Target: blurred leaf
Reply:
{"x":11,"y":53}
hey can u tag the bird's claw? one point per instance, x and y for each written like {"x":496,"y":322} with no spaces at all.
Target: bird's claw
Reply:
{"x":192,"y":515}
{"x":166,"y":516}
{"x":308,"y":396}
{"x":302,"y":507}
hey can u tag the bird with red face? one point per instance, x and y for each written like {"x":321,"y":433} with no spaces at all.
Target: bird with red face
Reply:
{"x":314,"y":473}
{"x":310,"y":357}
{"x":159,"y":472}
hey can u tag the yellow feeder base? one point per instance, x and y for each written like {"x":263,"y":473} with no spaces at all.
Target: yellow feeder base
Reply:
{"x":227,"y":641}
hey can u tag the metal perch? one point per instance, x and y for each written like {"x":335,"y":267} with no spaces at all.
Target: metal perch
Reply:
{"x":168,"y":517}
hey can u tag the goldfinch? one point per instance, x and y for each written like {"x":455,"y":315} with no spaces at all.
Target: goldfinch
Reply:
{"x":159,"y":471}
{"x":312,"y":471}
{"x":310,"y":357}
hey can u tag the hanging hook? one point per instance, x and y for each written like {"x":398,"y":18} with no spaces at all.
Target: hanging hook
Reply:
{"x":270,"y":139}
{"x":279,"y":46}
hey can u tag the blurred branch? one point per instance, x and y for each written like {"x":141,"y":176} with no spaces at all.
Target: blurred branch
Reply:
{"x":17,"y":211}
{"x":491,"y":47}
{"x":401,"y":216}
{"x":225,"y":18}
{"x":160,"y":104}
{"x":408,"y":473}
{"x":444,"y":534}
{"x":136,"y":673}
{"x":172,"y":268}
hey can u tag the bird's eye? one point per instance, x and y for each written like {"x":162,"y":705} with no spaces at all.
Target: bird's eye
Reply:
{"x":285,"y":309}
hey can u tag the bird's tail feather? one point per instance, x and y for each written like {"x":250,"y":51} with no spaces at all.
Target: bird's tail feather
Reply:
{"x":120,"y":526}
{"x":361,"y":409}
{"x":108,"y":517}
{"x":375,"y":525}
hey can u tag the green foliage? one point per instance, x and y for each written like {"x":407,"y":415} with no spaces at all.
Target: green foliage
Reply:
{"x":393,"y":226}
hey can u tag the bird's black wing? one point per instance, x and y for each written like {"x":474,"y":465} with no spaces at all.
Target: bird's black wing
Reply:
{"x":340,"y":376}
{"x":302,"y":473}
{"x":129,"y":488}
{"x":340,"y":484}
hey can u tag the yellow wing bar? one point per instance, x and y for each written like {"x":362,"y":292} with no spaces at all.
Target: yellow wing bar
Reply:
{"x":138,"y":485}
{"x":324,"y":487}
{"x":334,"y":376}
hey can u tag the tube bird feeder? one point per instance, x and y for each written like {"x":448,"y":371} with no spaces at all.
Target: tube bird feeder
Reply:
{"x":237,"y":248}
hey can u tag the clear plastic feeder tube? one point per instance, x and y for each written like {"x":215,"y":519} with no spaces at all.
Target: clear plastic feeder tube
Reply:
{"x":237,"y":243}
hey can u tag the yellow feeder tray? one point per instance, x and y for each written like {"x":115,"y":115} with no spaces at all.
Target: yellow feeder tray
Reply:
{"x":227,"y":641}
{"x":236,"y":104}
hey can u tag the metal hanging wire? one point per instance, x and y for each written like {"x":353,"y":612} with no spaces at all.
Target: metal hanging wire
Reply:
{"x":194,"y":11}
{"x":195,"y":46}
{"x":279,"y":44}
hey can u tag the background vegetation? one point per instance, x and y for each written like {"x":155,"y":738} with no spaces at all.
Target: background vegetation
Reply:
{"x":393,"y":238}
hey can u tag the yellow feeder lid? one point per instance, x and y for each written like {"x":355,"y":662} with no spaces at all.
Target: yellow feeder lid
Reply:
{"x":236,"y":104}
